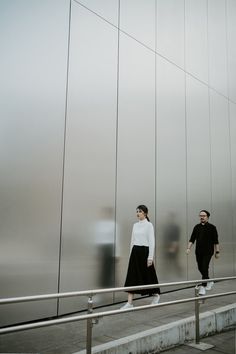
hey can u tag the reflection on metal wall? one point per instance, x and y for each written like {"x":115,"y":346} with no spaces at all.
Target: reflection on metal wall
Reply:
{"x":150,"y":118}
{"x":232,"y":124}
{"x":136,"y":143}
{"x":198,"y":157}
{"x":231,"y":52}
{"x":171,"y":172}
{"x":221,"y":183}
{"x":88,"y":227}
{"x":32,"y":94}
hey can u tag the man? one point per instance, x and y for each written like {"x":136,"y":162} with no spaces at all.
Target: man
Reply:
{"x":206,"y":237}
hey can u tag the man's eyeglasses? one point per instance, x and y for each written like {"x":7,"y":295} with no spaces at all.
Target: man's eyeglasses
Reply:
{"x":202,"y":216}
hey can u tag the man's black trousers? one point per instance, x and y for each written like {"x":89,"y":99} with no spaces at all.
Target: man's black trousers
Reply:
{"x":203,"y":261}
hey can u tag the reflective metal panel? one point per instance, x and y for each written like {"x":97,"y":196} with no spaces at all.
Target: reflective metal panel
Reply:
{"x":108,"y":9}
{"x":198,"y":159}
{"x":231,"y":34}
{"x":233,"y":171}
{"x":32,"y":106}
{"x":136,"y":143}
{"x":137,"y":18}
{"x":196,"y":38}
{"x":88,"y":228}
{"x":217,"y":48}
{"x":221,"y":182}
{"x":171,"y":172}
{"x":170,"y":30}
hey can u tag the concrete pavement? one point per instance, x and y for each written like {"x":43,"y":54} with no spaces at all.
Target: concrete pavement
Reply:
{"x":223,"y":343}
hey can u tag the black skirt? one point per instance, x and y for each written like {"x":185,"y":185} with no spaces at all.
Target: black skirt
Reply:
{"x":139,"y":273}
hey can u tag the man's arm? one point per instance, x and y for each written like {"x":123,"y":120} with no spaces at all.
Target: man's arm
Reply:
{"x":217,"y":250}
{"x":192,"y":240}
{"x":216,"y":244}
{"x":189,"y":247}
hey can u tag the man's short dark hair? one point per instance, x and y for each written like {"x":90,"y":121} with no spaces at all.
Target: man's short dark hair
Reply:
{"x":205,"y":211}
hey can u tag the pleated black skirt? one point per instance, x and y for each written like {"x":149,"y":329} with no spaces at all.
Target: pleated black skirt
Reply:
{"x":139,"y":273}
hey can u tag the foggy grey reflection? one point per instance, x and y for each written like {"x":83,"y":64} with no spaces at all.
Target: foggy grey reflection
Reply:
{"x":171,"y":241}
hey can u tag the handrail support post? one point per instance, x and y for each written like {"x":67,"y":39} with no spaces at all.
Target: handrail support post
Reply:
{"x":197,"y":321}
{"x":89,"y":326}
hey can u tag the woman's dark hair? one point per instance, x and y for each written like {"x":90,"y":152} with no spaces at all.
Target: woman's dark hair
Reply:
{"x":205,"y":211}
{"x":144,"y":209}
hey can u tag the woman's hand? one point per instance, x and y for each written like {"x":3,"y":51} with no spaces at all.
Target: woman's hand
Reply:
{"x":149,"y":262}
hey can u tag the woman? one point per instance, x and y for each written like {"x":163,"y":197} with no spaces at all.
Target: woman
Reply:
{"x":141,"y":270}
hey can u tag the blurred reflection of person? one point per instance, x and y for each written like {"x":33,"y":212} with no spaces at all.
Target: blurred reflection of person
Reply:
{"x":105,"y":230}
{"x":141,"y":269}
{"x":206,"y":237}
{"x":171,"y":235}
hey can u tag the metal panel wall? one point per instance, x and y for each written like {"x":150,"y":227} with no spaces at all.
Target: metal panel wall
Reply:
{"x":196,"y":38}
{"x":170,"y":30}
{"x":88,"y":229}
{"x":136,"y":142}
{"x":137,"y":18}
{"x":217,"y":47}
{"x":231,"y":36}
{"x":107,"y":9}
{"x":32,"y":108}
{"x":198,"y":158}
{"x":171,"y":172}
{"x":138,"y":130}
{"x":233,"y":171}
{"x":221,"y":181}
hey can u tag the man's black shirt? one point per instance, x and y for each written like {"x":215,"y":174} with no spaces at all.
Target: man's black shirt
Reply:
{"x":206,"y":237}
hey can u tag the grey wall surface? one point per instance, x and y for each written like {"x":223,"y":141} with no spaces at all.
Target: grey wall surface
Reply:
{"x":32,"y":110}
{"x":88,"y":228}
{"x":105,"y":105}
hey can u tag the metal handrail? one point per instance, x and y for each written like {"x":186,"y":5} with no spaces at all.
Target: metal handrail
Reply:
{"x":103,"y":291}
{"x":90,"y":317}
{"x":104,"y":313}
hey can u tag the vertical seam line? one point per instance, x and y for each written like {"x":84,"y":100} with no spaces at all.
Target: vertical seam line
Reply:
{"x":64,"y":149}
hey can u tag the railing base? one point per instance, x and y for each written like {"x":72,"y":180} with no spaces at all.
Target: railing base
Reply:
{"x":201,"y":346}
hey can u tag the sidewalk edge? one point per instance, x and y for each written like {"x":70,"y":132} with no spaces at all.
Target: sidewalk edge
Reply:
{"x":170,"y":335}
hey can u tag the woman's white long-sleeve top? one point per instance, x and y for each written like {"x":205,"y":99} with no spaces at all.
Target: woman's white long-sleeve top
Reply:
{"x":143,"y":235}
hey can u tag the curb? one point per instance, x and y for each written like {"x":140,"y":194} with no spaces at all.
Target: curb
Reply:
{"x":167,"y":336}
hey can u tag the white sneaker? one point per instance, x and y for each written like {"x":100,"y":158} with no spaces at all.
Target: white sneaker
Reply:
{"x":127,"y":306}
{"x":155,"y":299}
{"x":209,"y":285}
{"x":202,"y":290}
